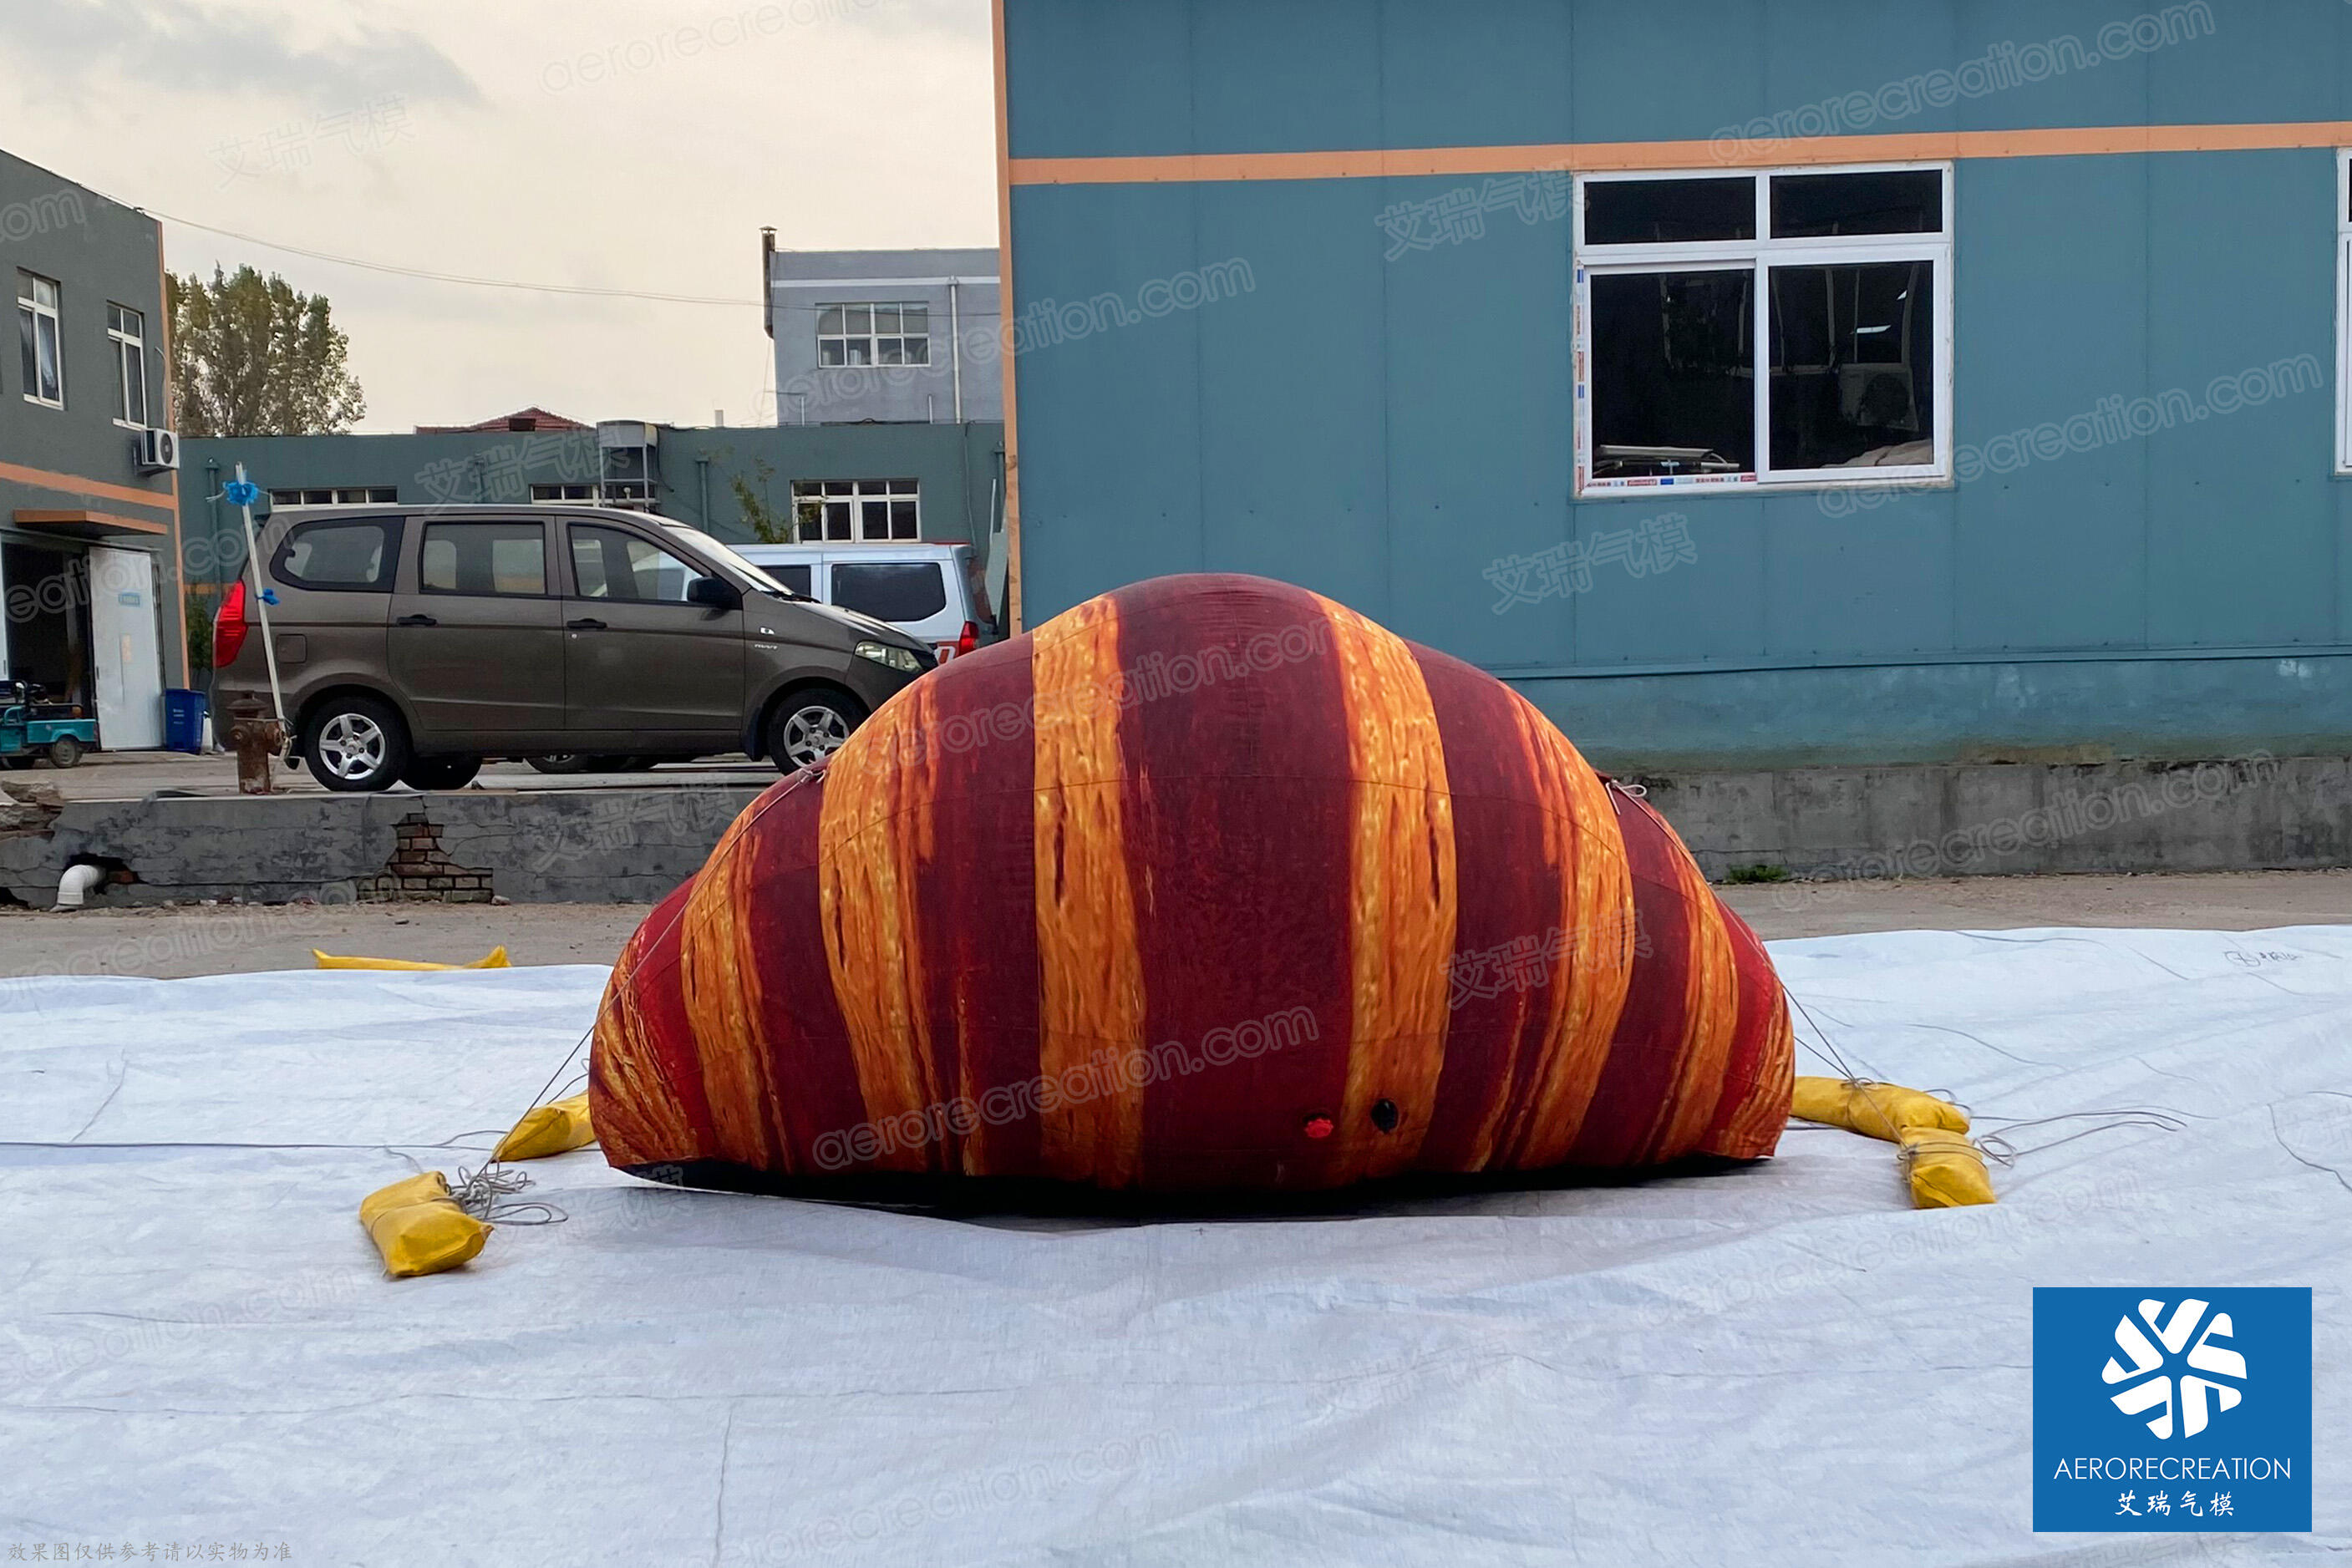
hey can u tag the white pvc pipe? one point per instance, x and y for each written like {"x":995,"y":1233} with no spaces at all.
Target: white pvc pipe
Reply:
{"x":76,"y":883}
{"x":261,"y":608}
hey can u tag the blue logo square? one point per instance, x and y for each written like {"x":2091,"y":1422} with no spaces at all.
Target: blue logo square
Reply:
{"x":2171,"y":1409}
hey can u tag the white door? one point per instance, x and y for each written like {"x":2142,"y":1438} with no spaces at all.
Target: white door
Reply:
{"x":125,"y":656}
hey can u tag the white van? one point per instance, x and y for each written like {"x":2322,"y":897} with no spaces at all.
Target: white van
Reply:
{"x":934,"y":593}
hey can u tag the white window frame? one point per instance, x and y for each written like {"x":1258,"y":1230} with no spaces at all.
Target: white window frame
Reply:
{"x":873,"y":335}
{"x":2344,"y":312}
{"x":1759,"y":257}
{"x":130,"y":351}
{"x":594,"y":496}
{"x":31,"y":304}
{"x":860,"y":492}
{"x":337,"y":495}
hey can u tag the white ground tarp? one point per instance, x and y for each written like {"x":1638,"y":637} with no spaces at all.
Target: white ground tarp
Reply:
{"x":1785,"y":1365}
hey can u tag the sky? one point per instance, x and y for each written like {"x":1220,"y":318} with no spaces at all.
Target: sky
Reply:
{"x":588,"y":143}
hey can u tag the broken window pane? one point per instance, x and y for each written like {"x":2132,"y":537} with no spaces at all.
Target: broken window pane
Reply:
{"x":1853,"y":372}
{"x":1673,"y":373}
{"x":1900,"y":201}
{"x":1647,"y":212}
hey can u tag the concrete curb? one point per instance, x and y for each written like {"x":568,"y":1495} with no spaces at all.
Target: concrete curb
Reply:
{"x":602,"y":846}
{"x":589,"y":846}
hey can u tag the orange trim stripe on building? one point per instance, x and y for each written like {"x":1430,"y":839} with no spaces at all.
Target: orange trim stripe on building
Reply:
{"x":75,"y":485}
{"x":1728,"y":153}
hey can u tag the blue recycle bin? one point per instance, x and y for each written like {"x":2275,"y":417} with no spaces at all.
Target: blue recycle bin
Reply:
{"x":184,"y":721}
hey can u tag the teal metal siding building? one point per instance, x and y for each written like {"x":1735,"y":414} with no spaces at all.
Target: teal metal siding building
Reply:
{"x":952,"y":472}
{"x":1752,"y":385}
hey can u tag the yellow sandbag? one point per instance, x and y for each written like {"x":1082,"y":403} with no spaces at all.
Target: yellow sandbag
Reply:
{"x":1946,"y":1170}
{"x":497,"y":959}
{"x":1873,"y":1109}
{"x":545,"y":1130}
{"x":419,"y":1228}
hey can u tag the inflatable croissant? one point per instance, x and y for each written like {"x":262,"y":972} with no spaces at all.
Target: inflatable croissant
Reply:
{"x":1209,"y":885}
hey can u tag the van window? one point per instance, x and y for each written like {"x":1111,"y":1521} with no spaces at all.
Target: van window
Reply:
{"x":608,"y":563}
{"x":354,"y":556}
{"x":892,"y":590}
{"x":800,"y":579}
{"x":484,"y":558}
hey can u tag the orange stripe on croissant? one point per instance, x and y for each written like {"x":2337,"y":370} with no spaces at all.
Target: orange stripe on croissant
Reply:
{"x":1595,"y":966}
{"x":640,"y":1114}
{"x":718,"y":970}
{"x":872,"y":829}
{"x":1711,"y":1016}
{"x":1091,"y":1001}
{"x":1401,"y":896}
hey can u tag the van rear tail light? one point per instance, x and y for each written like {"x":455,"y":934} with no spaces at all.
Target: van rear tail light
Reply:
{"x":971,"y":638}
{"x":228,"y":626}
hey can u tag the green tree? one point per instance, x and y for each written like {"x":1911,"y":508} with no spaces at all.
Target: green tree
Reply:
{"x":252,"y":356}
{"x":768,"y":525}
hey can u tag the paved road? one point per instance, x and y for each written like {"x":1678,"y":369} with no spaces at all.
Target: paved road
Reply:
{"x":134,"y":774}
{"x":171,"y":943}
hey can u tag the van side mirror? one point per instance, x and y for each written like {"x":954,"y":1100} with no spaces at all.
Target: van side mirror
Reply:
{"x":716,"y":592}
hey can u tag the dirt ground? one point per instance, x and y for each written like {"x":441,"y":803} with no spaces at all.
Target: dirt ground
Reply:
{"x":168,"y":944}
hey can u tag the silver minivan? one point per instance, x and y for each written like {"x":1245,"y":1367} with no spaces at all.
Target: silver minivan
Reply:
{"x":933,"y":592}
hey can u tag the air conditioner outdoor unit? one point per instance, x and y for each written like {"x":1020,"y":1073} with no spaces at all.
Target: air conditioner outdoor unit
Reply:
{"x":158,"y":450}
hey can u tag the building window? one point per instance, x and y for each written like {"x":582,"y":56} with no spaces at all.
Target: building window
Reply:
{"x":37,"y":330}
{"x":370,"y":496}
{"x":874,"y":335}
{"x":568,"y":494}
{"x":126,"y":333}
{"x":859,"y":509}
{"x":2344,"y":310}
{"x":1777,"y":328}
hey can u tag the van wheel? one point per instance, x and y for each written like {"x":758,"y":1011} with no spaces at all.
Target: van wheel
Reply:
{"x":356,"y":745}
{"x":561,"y":762}
{"x":809,"y":726}
{"x":441,"y":772}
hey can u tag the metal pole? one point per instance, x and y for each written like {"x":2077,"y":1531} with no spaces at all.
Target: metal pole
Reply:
{"x":261,"y":605}
{"x":955,"y":351}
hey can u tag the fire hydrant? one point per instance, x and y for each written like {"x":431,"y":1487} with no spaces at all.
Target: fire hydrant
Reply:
{"x":257,"y":740}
